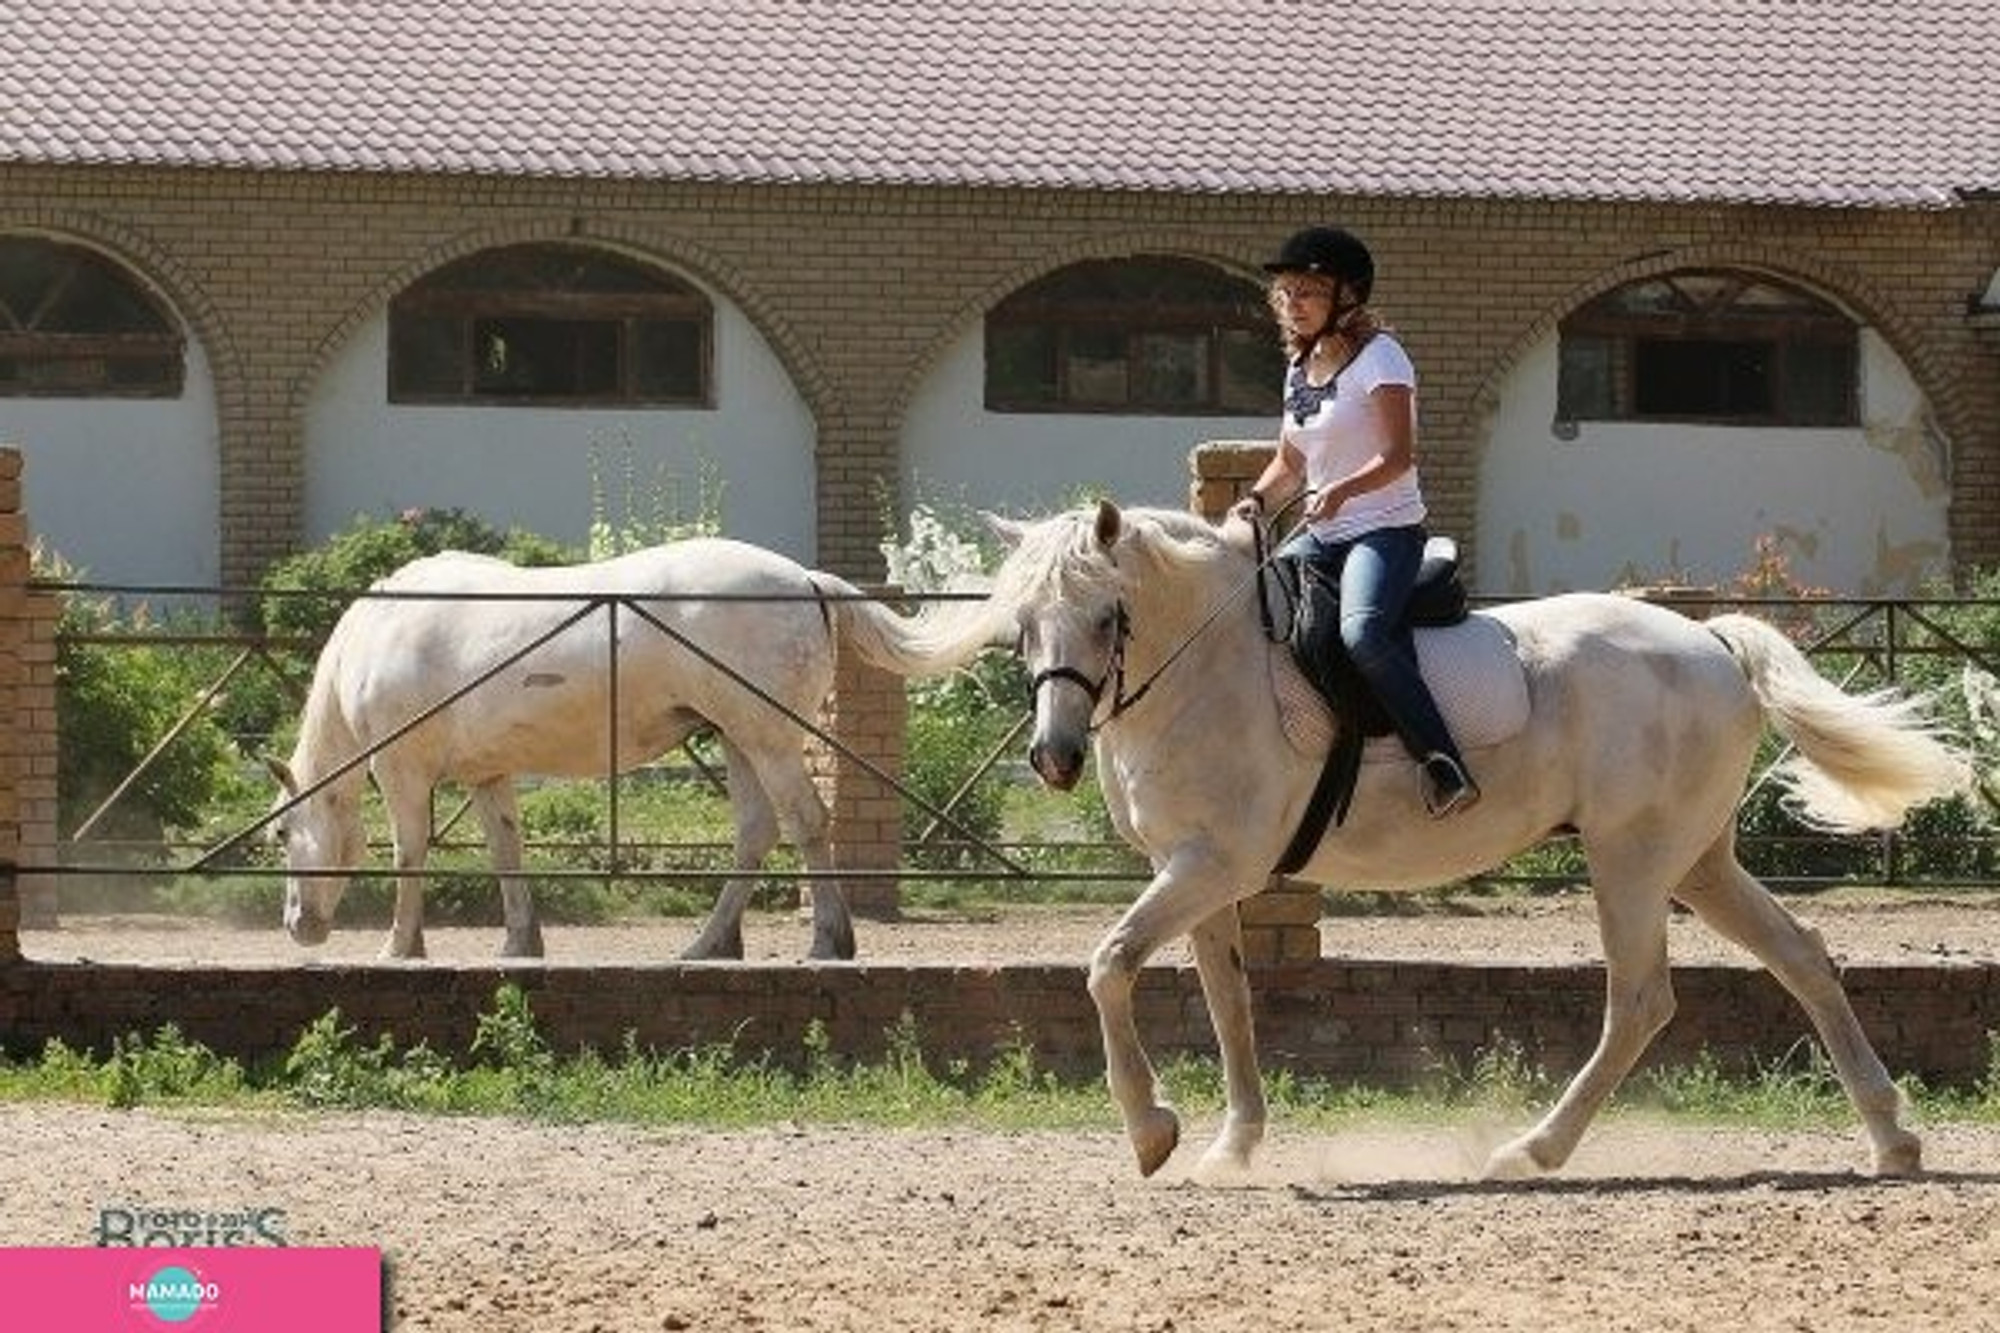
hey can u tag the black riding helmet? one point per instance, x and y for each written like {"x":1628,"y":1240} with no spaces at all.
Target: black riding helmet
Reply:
{"x":1333,"y":251}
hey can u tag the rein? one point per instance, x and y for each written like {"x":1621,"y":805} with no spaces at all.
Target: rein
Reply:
{"x":1114,"y":669}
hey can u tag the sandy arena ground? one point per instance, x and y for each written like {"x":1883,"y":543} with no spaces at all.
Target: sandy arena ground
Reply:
{"x":1859,"y":926}
{"x":506,"y":1226}
{"x":498,"y":1225}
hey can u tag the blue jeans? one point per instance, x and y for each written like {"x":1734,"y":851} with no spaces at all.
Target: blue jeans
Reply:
{"x":1377,"y":573}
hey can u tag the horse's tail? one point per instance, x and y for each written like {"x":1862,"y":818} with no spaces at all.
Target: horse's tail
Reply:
{"x":1863,"y":761}
{"x":940,"y":639}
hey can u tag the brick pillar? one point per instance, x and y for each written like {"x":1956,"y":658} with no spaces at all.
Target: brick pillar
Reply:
{"x":1281,"y":922}
{"x":27,"y":720}
{"x":10,"y":915}
{"x":1221,"y":472}
{"x":868,"y":715}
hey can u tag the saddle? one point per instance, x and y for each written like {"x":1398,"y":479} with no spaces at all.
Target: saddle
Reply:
{"x":1308,"y":605}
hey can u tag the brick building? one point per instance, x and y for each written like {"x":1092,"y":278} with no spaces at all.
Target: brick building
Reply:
{"x":858,"y":200}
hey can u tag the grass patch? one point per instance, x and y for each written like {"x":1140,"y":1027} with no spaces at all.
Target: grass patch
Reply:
{"x":511,"y":1070}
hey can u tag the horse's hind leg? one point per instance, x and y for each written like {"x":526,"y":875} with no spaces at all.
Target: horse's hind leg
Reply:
{"x":1732,"y":903}
{"x":805,"y":821}
{"x":500,"y":816}
{"x":1638,"y":1002}
{"x":721,"y":935}
{"x":1218,"y":956}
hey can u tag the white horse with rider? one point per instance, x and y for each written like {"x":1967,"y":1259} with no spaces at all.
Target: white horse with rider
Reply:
{"x":1636,"y":732}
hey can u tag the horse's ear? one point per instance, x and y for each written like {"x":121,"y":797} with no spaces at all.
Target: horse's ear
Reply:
{"x":1109,"y":521}
{"x":1006,"y":530}
{"x":283,"y":774}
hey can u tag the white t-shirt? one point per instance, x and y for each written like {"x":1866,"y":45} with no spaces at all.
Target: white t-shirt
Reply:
{"x":1341,"y":433}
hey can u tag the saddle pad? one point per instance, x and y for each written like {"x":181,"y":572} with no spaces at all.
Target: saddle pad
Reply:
{"x":1472,"y":669}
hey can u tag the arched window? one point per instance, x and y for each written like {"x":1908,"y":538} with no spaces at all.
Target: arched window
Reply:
{"x":1709,"y":346}
{"x":542,"y":325}
{"x":1151,"y":336}
{"x":73,"y":324}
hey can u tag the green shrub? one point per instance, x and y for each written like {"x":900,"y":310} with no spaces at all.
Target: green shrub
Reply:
{"x":305,"y":593}
{"x":955,"y":723}
{"x":116,"y":702}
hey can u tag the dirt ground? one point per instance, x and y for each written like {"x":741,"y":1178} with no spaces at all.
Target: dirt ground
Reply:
{"x":501,"y":1225}
{"x":1859,"y":926}
{"x":496,"y":1225}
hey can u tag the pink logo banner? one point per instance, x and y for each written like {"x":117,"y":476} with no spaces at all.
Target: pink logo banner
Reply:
{"x":248,"y":1289}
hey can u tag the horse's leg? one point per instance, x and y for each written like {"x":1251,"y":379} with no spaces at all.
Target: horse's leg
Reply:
{"x":805,"y":821}
{"x":756,"y":834}
{"x":1218,"y":955}
{"x":410,"y":829}
{"x":1730,"y":901}
{"x":500,"y":816}
{"x":1191,"y":887}
{"x":1632,"y":909}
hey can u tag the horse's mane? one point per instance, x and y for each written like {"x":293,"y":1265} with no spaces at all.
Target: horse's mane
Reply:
{"x":1060,"y":557}
{"x":325,"y":736}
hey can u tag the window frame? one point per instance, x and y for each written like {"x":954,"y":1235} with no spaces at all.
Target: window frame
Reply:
{"x":1618,"y":335}
{"x":1068,"y":319}
{"x":672,"y":301}
{"x":22,"y":340}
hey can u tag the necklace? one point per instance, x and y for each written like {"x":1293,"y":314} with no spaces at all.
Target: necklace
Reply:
{"x":1303,"y":398}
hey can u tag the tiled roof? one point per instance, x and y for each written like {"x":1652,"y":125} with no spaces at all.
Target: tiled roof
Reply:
{"x":1832,"y":102}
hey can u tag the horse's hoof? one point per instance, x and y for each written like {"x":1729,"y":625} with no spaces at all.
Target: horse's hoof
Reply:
{"x":1901,"y":1155}
{"x":1516,"y":1161}
{"x":729,"y":949}
{"x":838,"y":949}
{"x":1154,"y":1138}
{"x":1230,"y":1154}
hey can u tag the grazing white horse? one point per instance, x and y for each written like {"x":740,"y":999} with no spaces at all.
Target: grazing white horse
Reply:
{"x":711,"y":633}
{"x":1641,"y":730}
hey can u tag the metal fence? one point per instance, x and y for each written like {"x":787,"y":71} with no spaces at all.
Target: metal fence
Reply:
{"x":1940,"y":645}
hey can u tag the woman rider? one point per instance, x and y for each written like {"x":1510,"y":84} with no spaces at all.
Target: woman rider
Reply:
{"x":1348,"y":435}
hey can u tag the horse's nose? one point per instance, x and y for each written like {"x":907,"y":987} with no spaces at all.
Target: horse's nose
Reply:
{"x":1057,"y":765}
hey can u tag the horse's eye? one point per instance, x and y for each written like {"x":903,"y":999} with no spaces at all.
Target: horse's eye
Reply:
{"x":1107,"y":624}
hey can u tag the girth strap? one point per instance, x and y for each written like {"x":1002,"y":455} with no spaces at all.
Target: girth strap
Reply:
{"x":1333,"y":793}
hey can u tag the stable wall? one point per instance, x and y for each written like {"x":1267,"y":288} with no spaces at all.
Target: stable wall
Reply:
{"x":866,"y":294}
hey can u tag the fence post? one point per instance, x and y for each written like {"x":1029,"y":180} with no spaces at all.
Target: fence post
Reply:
{"x":1281,"y":922}
{"x":868,"y":715}
{"x":27,"y":710}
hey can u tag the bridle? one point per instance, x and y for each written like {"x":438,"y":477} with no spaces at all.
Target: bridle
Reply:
{"x":1113,"y":677}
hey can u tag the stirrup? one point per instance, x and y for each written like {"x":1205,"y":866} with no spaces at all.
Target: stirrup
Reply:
{"x":1448,"y":788}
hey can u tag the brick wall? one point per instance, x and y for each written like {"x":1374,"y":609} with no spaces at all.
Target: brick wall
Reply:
{"x":27,"y":721}
{"x":1386,"y":1022}
{"x":860,"y":289}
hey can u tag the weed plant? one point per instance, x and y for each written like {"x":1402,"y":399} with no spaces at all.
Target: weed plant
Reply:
{"x":510,"y":1069}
